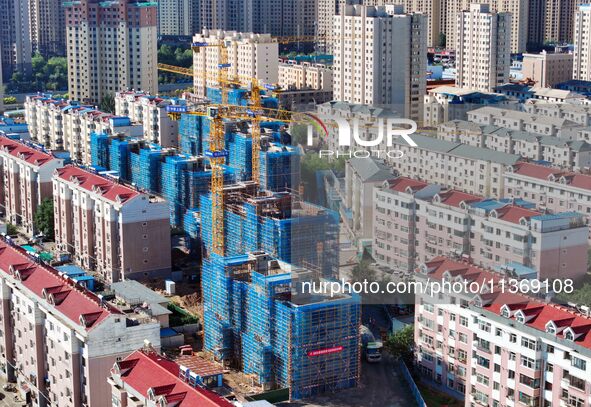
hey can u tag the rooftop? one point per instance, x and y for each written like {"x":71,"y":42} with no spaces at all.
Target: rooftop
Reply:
{"x":371,"y":170}
{"x":407,"y":185}
{"x":107,"y":188}
{"x":75,"y":302}
{"x":24,"y":152}
{"x":146,"y":370}
{"x":455,"y":198}
{"x":527,"y":117}
{"x":540,"y":313}
{"x":557,"y":175}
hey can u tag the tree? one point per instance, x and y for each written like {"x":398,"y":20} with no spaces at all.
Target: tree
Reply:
{"x":442,"y":40}
{"x":400,"y":344}
{"x":43,"y":219}
{"x":11,"y":229}
{"x":9,"y":100}
{"x":108,"y":103}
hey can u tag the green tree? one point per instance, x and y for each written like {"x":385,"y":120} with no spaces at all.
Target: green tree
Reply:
{"x":43,"y":219}
{"x":400,"y":344}
{"x":442,"y":40}
{"x":11,"y":229}
{"x":108,"y":103}
{"x":9,"y":100}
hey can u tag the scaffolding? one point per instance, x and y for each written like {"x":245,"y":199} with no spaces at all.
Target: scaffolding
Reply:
{"x":280,"y":167}
{"x":191,"y":131}
{"x":99,"y":149}
{"x":252,"y":321}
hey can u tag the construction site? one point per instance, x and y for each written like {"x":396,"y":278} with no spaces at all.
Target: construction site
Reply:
{"x":233,"y":188}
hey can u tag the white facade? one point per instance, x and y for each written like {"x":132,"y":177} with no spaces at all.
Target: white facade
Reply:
{"x":249,"y":55}
{"x":305,"y":76}
{"x":582,"y":57}
{"x":380,"y":58}
{"x":178,"y":17}
{"x":483,"y":53}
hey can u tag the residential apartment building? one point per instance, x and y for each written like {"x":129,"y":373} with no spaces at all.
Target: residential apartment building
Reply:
{"x":282,"y":18}
{"x":150,"y":112}
{"x":293,"y":75}
{"x":550,"y":188}
{"x":516,"y":120}
{"x":110,"y":227}
{"x":582,"y":39}
{"x":15,"y":41}
{"x":380,"y":58}
{"x":361,"y":176}
{"x":58,"y":340}
{"x":500,"y":348}
{"x":178,"y":17}
{"x":26,"y":181}
{"x":145,"y":377}
{"x":547,"y":69}
{"x":249,"y":55}
{"x":432,"y":11}
{"x":568,"y":154}
{"x":111,"y":46}
{"x":464,"y":167}
{"x":47,"y":27}
{"x":580,"y":114}
{"x":61,"y":124}
{"x":483,"y":48}
{"x":445,"y":103}
{"x":559,"y":20}
{"x":415,"y":221}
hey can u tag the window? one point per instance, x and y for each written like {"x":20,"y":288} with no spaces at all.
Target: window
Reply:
{"x":513,"y":338}
{"x":528,"y":343}
{"x":505,"y":312}
{"x":527,"y":362}
{"x":463,"y":321}
{"x":578,"y":363}
{"x":568,"y":335}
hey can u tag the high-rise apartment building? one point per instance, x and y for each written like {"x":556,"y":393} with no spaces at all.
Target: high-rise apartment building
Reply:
{"x":559,"y":21}
{"x":178,"y":17}
{"x":249,"y":55}
{"x":536,"y":24}
{"x":47,"y":25}
{"x":582,"y":55}
{"x":380,"y":58}
{"x":484,"y":48}
{"x":284,"y":17}
{"x":112,"y":46}
{"x":432,"y":11}
{"x":15,"y":37}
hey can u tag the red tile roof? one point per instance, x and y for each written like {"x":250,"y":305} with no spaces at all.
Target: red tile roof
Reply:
{"x":513,"y":214}
{"x":144,"y":370}
{"x":455,"y":198}
{"x":540,"y":313}
{"x":75,"y":302}
{"x":536,"y":171}
{"x":401,"y":184}
{"x":109,"y":189}
{"x":24,"y":152}
{"x":579,"y":180}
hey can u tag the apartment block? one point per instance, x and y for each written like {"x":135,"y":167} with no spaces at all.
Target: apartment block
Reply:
{"x":249,"y":55}
{"x":58,"y":340}
{"x":547,"y":69}
{"x":26,"y":181}
{"x":432,"y":11}
{"x":150,"y":112}
{"x":550,"y":188}
{"x":178,"y":17}
{"x":415,"y":221}
{"x":15,"y":41}
{"x":145,"y":377}
{"x":284,"y":17}
{"x":580,"y":114}
{"x":445,"y":103}
{"x":500,"y":348}
{"x":111,"y":46}
{"x":524,"y":121}
{"x":562,"y":152}
{"x":293,"y":75}
{"x":464,"y":167}
{"x":110,"y":227}
{"x":47,"y":26}
{"x":361,"y":176}
{"x":380,"y":58}
{"x":61,"y":124}
{"x":582,"y":39}
{"x":483,"y":48}
{"x":559,"y":19}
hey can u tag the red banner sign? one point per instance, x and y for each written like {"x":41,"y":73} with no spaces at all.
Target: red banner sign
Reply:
{"x":326,"y":351}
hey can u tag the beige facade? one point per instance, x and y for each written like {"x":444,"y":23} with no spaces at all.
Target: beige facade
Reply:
{"x":150,"y":112}
{"x":582,"y":38}
{"x":67,"y":125}
{"x":432,"y":10}
{"x":484,"y":50}
{"x":58,"y":341}
{"x":546,"y":69}
{"x":178,"y":17}
{"x":26,"y":181}
{"x":249,"y":55}
{"x":47,"y":25}
{"x":380,"y":58}
{"x":305,"y":76}
{"x":559,"y":19}
{"x":109,"y":227}
{"x":110,"y":47}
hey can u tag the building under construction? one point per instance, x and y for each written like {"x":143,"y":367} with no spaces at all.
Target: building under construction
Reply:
{"x":257,"y":319}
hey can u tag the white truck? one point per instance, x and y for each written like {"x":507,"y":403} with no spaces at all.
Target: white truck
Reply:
{"x":371,"y":348}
